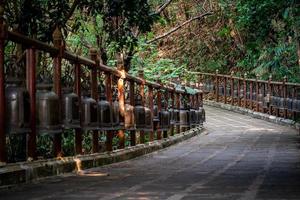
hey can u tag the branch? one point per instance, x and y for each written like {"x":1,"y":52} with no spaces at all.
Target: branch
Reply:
{"x":162,"y":7}
{"x":179,"y":27}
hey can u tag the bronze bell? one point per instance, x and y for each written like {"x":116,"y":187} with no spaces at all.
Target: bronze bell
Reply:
{"x":116,"y":123}
{"x":164,"y":119}
{"x":17,"y":108}
{"x":104,"y":112}
{"x":202,"y":115}
{"x":89,"y":113}
{"x":129,"y":116}
{"x":184,"y":117}
{"x":289,"y":103}
{"x":193,"y":117}
{"x":70,"y":109}
{"x":296,"y":105}
{"x":48,"y":112}
{"x":148,"y":120}
{"x":139,"y":114}
{"x":155,"y":113}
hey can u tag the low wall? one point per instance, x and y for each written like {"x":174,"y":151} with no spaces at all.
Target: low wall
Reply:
{"x":17,"y":173}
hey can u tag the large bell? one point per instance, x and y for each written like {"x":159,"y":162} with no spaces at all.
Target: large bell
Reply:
{"x":17,"y":108}
{"x":104,"y":110}
{"x":200,"y":115}
{"x":184,"y":117}
{"x":70,"y":109}
{"x":193,"y":117}
{"x":289,"y":103}
{"x":149,"y":120}
{"x":296,"y":105}
{"x":174,"y":116}
{"x":164,"y":119}
{"x":139,"y":114}
{"x":129,"y":116}
{"x":48,"y":113}
{"x":89,"y":114}
{"x":116,"y":114}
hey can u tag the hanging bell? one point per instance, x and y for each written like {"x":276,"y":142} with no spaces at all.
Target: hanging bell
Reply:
{"x":289,"y":103}
{"x":149,"y":120}
{"x":164,"y":119}
{"x":129,"y":116}
{"x":296,"y":105}
{"x":17,"y":108}
{"x":89,"y":113}
{"x":228,"y":91}
{"x":221,"y":90}
{"x":193,"y":117}
{"x":48,"y":112}
{"x":184,"y":117}
{"x":253,"y":96}
{"x":139,"y":113}
{"x":104,"y":112}
{"x":70,"y":109}
{"x":116,"y":114}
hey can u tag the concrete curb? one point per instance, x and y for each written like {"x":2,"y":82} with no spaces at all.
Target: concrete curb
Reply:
{"x":17,"y":173}
{"x":257,"y":115}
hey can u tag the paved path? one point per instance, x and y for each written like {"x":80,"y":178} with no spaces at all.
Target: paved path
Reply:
{"x":240,"y":158}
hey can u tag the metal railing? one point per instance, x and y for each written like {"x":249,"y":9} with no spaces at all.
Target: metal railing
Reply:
{"x":281,"y":99}
{"x":59,"y":54}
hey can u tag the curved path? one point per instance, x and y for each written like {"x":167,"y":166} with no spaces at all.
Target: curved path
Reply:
{"x":238,"y":157}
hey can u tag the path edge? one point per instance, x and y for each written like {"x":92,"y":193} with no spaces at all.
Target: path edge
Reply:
{"x":254,"y":114}
{"x":26,"y":172}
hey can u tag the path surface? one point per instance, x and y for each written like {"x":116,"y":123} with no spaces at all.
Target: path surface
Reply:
{"x":240,"y":158}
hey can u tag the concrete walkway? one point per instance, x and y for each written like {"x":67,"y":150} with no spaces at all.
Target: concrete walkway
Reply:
{"x":238,"y":158}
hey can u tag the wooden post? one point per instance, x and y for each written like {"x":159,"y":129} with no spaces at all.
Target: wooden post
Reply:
{"x":284,"y":90}
{"x":78,"y":131}
{"x":217,"y":85}
{"x":159,"y":136}
{"x":110,"y":134}
{"x":269,"y":94}
{"x":225,"y":90}
{"x":94,"y":94}
{"x":165,"y":133}
{"x":245,"y":90}
{"x":173,"y":106}
{"x":31,"y":81}
{"x":131,"y":97}
{"x":2,"y":87}
{"x":251,"y":95}
{"x":257,"y":93}
{"x":177,"y":104}
{"x":142,"y":93}
{"x":57,"y":41}
{"x":232,"y":88}
{"x":150,"y":96}
{"x":239,"y":92}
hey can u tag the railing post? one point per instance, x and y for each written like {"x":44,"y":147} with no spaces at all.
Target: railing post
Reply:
{"x":217,"y":85}
{"x":251,"y":95}
{"x":159,"y":136}
{"x":131,"y":97}
{"x":257,"y":92}
{"x":172,"y":106}
{"x":57,"y":41}
{"x":239,"y":92}
{"x":2,"y":87}
{"x":150,"y":97}
{"x":142,"y":93}
{"x":245,"y":90}
{"x":78,"y":131}
{"x":270,"y":94}
{"x":31,"y":86}
{"x":232,"y":88}
{"x":94,"y":94}
{"x":284,"y":90}
{"x":225,"y":89}
{"x":165,"y":133}
{"x":177,"y":104}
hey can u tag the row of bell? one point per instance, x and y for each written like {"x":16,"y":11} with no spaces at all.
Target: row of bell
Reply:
{"x":95,"y":115}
